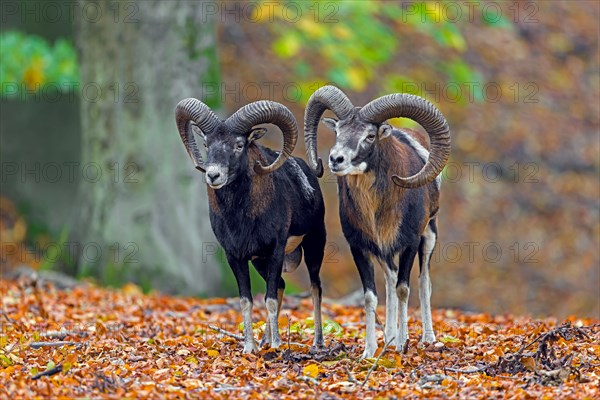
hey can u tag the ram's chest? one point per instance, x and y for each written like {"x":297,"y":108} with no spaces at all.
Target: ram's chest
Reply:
{"x":370,"y":212}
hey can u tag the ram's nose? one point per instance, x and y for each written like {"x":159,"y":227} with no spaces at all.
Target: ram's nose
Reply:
{"x":216,"y":176}
{"x":336,"y":158}
{"x":212,"y":176}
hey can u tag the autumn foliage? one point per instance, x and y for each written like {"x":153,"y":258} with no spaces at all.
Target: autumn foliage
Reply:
{"x":94,"y":342}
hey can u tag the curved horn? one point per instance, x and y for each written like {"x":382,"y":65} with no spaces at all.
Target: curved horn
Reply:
{"x":429,"y":117}
{"x":267,"y":112}
{"x":327,"y":97}
{"x":194,"y":111}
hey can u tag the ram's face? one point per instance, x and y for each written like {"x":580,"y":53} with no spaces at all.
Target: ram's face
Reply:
{"x":353,"y":152}
{"x":226,"y":154}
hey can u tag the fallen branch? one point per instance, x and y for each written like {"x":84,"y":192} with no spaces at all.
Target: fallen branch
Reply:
{"x":48,"y":372}
{"x":63,"y":334}
{"x":37,"y":345}
{"x":351,"y":377}
{"x":308,"y":379}
{"x":225,"y":387}
{"x":289,"y":329}
{"x":560,"y":330}
{"x":297,"y":344}
{"x":226,"y":333}
{"x":469,"y":370}
{"x":385,"y":346}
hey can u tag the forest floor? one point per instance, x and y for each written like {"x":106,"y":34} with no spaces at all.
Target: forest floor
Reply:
{"x":94,"y":342}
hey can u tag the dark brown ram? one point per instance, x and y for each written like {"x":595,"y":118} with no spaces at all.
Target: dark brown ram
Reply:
{"x":388,"y":195}
{"x":265,"y":207}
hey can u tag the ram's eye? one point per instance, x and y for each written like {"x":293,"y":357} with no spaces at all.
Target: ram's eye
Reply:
{"x":370,"y":137}
{"x":239,"y":146}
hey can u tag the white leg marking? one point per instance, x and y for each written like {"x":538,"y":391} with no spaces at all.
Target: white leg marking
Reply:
{"x":266,"y":339}
{"x":272,"y":308}
{"x":371,"y":338}
{"x":403,"y":293}
{"x":318,"y":340}
{"x":249,"y":344}
{"x":391,"y":304}
{"x":425,"y":288}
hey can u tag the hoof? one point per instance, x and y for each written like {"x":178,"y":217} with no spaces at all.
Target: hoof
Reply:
{"x":400,"y":344}
{"x":368,"y":353}
{"x":266,"y":339}
{"x":317,"y":347}
{"x":275,"y":344}
{"x":429,"y":338}
{"x":250,"y":348}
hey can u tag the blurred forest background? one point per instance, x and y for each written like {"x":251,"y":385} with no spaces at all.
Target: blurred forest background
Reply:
{"x":96,"y":184}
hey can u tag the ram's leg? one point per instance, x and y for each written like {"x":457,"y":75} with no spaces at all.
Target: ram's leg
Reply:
{"x":242,"y":276}
{"x":266,"y":339}
{"x":428,"y":241}
{"x":314,"y":249}
{"x":274,"y":270}
{"x":407,"y":257}
{"x":261,"y":266}
{"x":367,"y":276}
{"x":391,"y":299}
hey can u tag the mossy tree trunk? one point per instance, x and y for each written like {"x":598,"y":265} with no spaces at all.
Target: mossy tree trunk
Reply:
{"x":147,"y":212}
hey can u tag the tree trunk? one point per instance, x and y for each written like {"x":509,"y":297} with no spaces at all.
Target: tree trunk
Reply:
{"x":143,"y":211}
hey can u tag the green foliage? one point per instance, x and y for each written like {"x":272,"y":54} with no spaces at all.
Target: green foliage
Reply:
{"x":27,"y":62}
{"x":351,"y":43}
{"x":191,"y":35}
{"x":55,"y":256}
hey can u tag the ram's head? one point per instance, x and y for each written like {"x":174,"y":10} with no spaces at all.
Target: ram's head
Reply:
{"x":228,"y":142}
{"x":360,"y":130}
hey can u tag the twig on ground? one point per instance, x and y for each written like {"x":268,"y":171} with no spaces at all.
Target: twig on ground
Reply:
{"x":351,"y":377}
{"x":10,"y":348}
{"x":297,"y":344}
{"x":308,"y":379}
{"x":405,"y":347}
{"x":385,"y":346}
{"x":225,"y":387}
{"x":468,"y":370}
{"x":37,"y":345}
{"x":226,"y":333}
{"x":289,"y":329}
{"x":543,"y":337}
{"x":61,"y":334}
{"x":48,"y":372}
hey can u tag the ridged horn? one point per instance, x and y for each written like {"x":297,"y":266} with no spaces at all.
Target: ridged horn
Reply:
{"x":429,"y":117}
{"x":194,"y":111}
{"x":325,"y":98}
{"x":267,"y":112}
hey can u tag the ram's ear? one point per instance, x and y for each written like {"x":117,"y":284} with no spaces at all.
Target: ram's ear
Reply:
{"x":256,"y":133}
{"x":330,"y":123}
{"x":385,"y":130}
